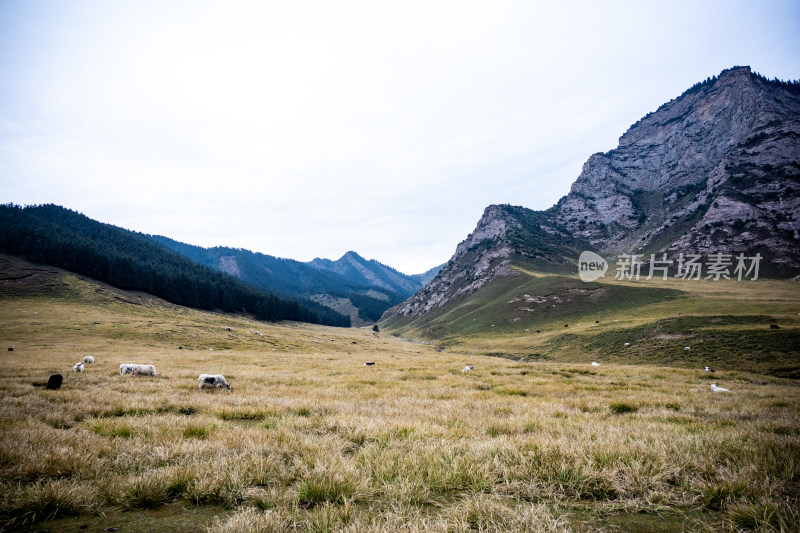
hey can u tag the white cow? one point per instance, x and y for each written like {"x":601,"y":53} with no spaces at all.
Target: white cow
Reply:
{"x":126,"y":368}
{"x":707,"y":369}
{"x":213,"y":381}
{"x":627,"y":344}
{"x":686,"y":348}
{"x":468,"y":368}
{"x":88,"y":360}
{"x":595,"y":363}
{"x":77,"y":367}
{"x":143,"y":370}
{"x":714,"y":388}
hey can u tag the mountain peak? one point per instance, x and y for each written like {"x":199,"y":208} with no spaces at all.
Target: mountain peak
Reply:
{"x":351,"y":255}
{"x":715,"y":170}
{"x":370,"y":273}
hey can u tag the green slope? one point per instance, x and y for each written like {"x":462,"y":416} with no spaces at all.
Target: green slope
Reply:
{"x":535,"y":316}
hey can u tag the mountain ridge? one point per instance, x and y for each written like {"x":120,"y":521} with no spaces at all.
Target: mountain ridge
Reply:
{"x":56,"y":236}
{"x":716,"y":169}
{"x":370,"y":287}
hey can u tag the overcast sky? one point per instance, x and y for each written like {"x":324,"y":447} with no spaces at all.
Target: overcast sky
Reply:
{"x":305,"y":129}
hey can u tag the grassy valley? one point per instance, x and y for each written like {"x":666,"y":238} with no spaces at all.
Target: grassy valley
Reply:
{"x":311,"y":439}
{"x":539,"y":316}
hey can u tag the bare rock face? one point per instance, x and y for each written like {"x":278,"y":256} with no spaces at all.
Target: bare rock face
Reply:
{"x":726,"y":150}
{"x":229,"y":265}
{"x":493,"y":224}
{"x":479,"y":258}
{"x":716,"y":170}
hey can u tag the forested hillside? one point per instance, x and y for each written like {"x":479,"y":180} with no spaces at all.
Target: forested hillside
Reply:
{"x":370,"y":286}
{"x":60,"y":237}
{"x":286,"y":277}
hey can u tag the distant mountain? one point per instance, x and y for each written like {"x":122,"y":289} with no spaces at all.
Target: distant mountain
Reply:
{"x":425,"y":277}
{"x":370,"y":273}
{"x":60,"y":237}
{"x":716,"y":170}
{"x":364,"y":289}
{"x":286,"y":277}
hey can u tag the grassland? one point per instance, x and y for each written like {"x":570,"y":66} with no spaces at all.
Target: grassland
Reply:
{"x":310,"y":439}
{"x":543,"y":317}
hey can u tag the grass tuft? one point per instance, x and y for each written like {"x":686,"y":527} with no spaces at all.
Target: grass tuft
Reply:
{"x":113,"y":430}
{"x":46,"y":500}
{"x":333,"y":487}
{"x":620,"y":408}
{"x":716,"y":497}
{"x":250,"y":413}
{"x":148,"y":491}
{"x":197,"y":431}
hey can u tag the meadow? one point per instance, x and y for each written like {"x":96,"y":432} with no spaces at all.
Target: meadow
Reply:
{"x":311,"y":439}
{"x":747,"y":325}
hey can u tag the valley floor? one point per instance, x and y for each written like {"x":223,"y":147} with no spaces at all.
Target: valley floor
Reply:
{"x":311,"y":439}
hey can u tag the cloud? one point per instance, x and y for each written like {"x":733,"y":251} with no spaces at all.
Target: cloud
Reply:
{"x":309,"y":129}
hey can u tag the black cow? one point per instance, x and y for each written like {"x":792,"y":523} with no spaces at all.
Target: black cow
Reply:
{"x":54,"y":382}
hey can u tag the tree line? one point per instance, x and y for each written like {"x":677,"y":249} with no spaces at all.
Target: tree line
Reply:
{"x":63,"y":238}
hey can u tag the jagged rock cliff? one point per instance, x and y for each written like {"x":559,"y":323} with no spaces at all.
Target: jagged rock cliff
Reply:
{"x":717,"y":169}
{"x":727,"y":150}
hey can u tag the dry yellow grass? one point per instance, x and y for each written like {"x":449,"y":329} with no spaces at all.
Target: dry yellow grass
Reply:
{"x":310,"y":439}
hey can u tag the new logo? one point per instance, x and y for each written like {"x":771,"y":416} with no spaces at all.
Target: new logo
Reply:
{"x":591,"y":266}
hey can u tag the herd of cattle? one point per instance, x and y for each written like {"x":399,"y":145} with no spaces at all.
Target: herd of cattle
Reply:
{"x":205,"y":381}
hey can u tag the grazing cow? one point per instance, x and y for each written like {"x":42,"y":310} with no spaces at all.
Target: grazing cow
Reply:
{"x":88,"y":360}
{"x":213,"y":381}
{"x":708,"y":369}
{"x":143,"y":370}
{"x":468,"y":368}
{"x":126,"y":368}
{"x":54,"y":382}
{"x":627,"y":344}
{"x":77,"y":367}
{"x":714,"y":388}
{"x":595,"y":363}
{"x":774,"y":326}
{"x":369,"y":363}
{"x":11,"y":349}
{"x":259,"y":334}
{"x":228,"y":329}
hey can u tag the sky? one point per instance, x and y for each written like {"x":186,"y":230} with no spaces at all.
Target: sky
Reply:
{"x":307,"y":129}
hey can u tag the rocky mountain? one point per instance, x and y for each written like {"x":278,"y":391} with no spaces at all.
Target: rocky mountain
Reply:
{"x":715,"y":170}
